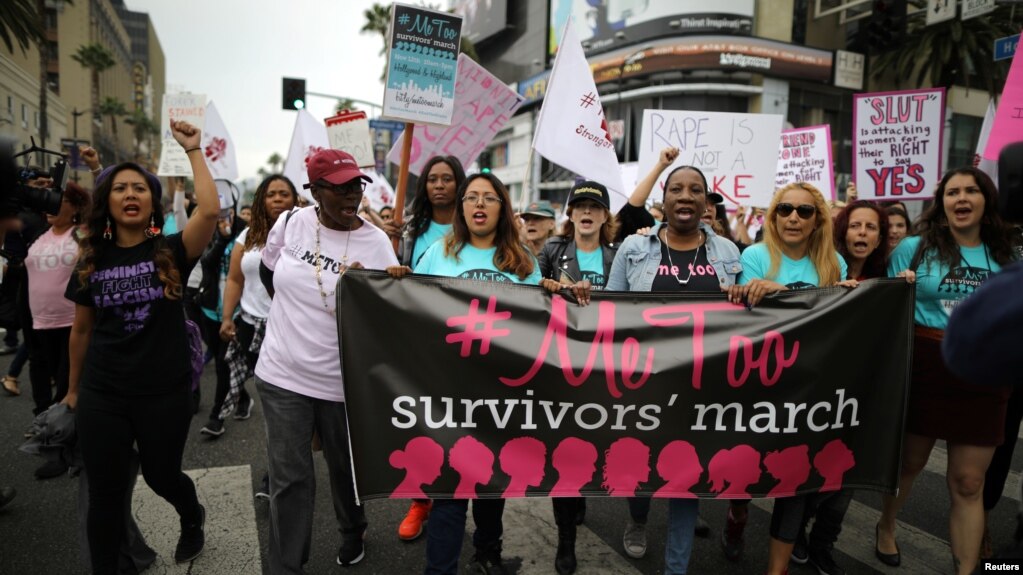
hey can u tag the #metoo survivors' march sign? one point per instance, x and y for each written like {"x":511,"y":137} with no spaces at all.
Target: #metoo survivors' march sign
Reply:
{"x":349,"y":132}
{"x":421,"y":65}
{"x":513,"y":392}
{"x":897,"y":144}
{"x":728,"y":149}
{"x":483,"y":105}
{"x":190,"y":108}
{"x":805,"y":156}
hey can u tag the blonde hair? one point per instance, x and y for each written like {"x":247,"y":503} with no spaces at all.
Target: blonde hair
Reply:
{"x":820,"y":245}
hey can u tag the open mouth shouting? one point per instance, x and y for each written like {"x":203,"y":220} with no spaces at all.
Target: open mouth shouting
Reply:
{"x":685,"y":213}
{"x":860,"y":248}
{"x":479,"y":217}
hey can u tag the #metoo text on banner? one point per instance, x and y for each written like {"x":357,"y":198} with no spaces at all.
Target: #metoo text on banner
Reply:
{"x":727,"y":148}
{"x":805,"y":156}
{"x":190,"y":108}
{"x":897,"y":143}
{"x":421,"y":65}
{"x":483,"y":105}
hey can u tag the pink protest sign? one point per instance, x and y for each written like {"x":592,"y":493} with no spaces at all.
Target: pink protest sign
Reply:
{"x":1008,"y":127}
{"x":483,"y":105}
{"x":897,"y":143}
{"x":805,"y":156}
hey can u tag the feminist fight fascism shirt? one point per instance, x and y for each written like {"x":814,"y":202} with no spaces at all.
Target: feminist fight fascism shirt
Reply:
{"x":136,"y":325}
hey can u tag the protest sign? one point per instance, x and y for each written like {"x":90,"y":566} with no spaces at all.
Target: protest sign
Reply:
{"x":217,"y":146}
{"x":805,"y":156}
{"x":974,"y":8}
{"x":727,"y":148}
{"x":1008,"y":126}
{"x":897,"y":143}
{"x":421,"y":65}
{"x":483,"y":105}
{"x":176,"y":107}
{"x":349,"y":132}
{"x":309,"y":137}
{"x":688,"y":394}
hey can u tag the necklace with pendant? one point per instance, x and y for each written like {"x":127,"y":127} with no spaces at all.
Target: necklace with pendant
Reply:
{"x":318,"y":264}
{"x":681,"y":281}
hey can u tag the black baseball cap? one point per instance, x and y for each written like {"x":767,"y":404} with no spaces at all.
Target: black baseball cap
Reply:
{"x":589,"y":190}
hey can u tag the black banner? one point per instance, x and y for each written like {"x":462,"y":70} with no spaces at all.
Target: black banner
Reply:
{"x":474,"y":389}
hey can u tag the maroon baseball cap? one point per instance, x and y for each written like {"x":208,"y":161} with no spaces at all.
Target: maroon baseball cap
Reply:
{"x":335,"y":167}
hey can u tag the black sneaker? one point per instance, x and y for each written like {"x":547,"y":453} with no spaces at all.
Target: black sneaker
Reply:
{"x":244,"y":410}
{"x":51,"y":469}
{"x":799,"y":551}
{"x":824,"y":562}
{"x":214,"y":427}
{"x":264,"y":488}
{"x":353,"y":549}
{"x":192,"y":539}
{"x":487,"y":562}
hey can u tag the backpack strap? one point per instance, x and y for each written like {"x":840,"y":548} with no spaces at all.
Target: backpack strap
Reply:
{"x":918,"y":255}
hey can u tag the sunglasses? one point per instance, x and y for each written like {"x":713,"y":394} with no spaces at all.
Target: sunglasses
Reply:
{"x":805,"y":211}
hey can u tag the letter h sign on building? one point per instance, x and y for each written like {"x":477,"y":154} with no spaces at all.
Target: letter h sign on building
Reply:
{"x":897,"y":143}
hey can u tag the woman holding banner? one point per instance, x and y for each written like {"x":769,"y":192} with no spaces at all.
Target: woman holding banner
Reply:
{"x":707,"y":263}
{"x":298,"y":374}
{"x":483,"y":245}
{"x":798,"y":252}
{"x":961,"y":242}
{"x":861,"y":237}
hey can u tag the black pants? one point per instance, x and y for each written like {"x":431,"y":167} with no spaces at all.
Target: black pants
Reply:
{"x":998,"y":471}
{"x":218,"y":347}
{"x":48,"y":361}
{"x":792,"y":513}
{"x":109,"y":426}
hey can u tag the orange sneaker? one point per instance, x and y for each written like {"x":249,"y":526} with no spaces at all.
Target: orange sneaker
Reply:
{"x":412,"y":526}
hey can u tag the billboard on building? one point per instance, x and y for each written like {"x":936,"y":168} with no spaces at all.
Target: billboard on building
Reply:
{"x":604,"y":24}
{"x":481,"y":19}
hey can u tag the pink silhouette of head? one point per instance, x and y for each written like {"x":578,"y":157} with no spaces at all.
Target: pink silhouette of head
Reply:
{"x":474,"y":463}
{"x":626,"y":465}
{"x":679,"y":465}
{"x":421,"y":459}
{"x":523,"y":459}
{"x":791,"y":467}
{"x":832,"y":461}
{"x":739,"y":467}
{"x":575,"y":460}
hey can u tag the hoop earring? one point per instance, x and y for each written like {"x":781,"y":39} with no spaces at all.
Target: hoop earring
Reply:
{"x":108,"y":234}
{"x":152,"y":231}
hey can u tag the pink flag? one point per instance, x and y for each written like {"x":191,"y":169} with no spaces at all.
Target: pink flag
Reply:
{"x":1008,"y":126}
{"x":572,"y":130}
{"x":309,"y":137}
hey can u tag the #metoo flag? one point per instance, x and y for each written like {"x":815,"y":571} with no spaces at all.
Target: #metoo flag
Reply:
{"x":218,"y":147}
{"x":897,"y":143}
{"x":572,"y":130}
{"x":308,"y":138}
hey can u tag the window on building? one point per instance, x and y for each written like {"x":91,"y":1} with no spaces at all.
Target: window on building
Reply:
{"x":964,"y":135}
{"x":24,"y":116}
{"x":53,"y":82}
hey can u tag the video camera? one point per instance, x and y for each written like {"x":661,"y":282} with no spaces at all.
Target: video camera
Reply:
{"x":17,"y":194}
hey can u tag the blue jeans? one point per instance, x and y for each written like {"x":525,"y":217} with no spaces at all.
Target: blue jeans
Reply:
{"x":681,"y":523}
{"x":447,"y":528}
{"x":291,"y":419}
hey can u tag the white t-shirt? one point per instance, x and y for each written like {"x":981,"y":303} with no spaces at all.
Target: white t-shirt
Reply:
{"x":300,"y":350}
{"x":254,"y":301}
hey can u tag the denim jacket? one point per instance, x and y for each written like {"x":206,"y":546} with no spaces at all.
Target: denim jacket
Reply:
{"x":635,"y":266}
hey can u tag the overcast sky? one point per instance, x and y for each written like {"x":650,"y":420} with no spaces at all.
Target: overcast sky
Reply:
{"x":236,"y":53}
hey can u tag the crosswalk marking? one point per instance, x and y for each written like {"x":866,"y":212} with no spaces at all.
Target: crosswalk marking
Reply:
{"x":232,"y":544}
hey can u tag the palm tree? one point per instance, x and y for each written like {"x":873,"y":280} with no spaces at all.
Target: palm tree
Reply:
{"x":143,"y":128}
{"x":95,"y":58}
{"x":345,"y":104}
{"x":950,"y":53}
{"x":275,"y":160}
{"x":113,"y":108}
{"x":19,"y":23}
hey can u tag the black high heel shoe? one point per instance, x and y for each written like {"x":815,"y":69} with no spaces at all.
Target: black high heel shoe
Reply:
{"x":889,"y":559}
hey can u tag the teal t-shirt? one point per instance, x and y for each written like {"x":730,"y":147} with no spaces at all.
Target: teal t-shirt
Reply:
{"x":591,"y":265}
{"x":793,"y":274}
{"x":472,"y":263}
{"x":940,"y":289}
{"x":433,"y":233}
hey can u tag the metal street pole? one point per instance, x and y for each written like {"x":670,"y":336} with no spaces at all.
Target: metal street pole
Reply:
{"x":74,"y":114}
{"x":363,"y":102}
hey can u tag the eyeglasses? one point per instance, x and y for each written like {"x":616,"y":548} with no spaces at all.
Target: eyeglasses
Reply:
{"x":488,"y":200}
{"x":804,"y":211}
{"x":349,"y":189}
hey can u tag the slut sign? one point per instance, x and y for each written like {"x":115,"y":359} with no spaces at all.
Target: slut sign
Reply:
{"x":897,"y":144}
{"x":506,"y":391}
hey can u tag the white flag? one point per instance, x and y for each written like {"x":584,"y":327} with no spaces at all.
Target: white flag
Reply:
{"x":379,"y":191}
{"x":572,"y":131}
{"x":989,"y":167}
{"x":218,"y":147}
{"x":309,"y":137}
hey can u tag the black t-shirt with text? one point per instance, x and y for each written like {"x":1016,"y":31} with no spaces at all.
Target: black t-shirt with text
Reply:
{"x":138,"y":345}
{"x":703,"y":276}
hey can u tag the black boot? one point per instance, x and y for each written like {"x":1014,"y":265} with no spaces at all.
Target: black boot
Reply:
{"x":564,"y":561}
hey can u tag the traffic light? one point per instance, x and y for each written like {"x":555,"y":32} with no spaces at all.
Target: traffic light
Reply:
{"x":886,"y":29}
{"x":293,"y":97}
{"x":484,"y":161}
